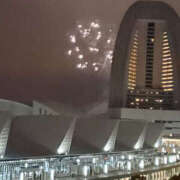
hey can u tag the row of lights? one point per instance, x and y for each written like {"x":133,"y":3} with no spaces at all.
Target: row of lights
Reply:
{"x":133,"y":63}
{"x":167,"y":67}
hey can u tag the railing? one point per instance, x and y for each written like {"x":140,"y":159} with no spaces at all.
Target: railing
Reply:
{"x":89,"y":165}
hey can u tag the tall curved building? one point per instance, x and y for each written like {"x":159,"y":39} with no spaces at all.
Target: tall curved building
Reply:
{"x":146,"y":67}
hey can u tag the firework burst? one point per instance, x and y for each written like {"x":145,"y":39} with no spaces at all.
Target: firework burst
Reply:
{"x":91,"y":46}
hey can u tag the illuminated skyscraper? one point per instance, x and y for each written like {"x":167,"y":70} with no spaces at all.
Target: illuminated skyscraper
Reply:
{"x":150,"y":66}
{"x":146,"y":57}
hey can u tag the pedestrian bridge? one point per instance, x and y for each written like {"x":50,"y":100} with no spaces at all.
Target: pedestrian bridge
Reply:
{"x":150,"y":164}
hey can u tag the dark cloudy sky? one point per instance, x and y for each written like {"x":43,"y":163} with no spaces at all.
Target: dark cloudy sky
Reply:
{"x":32,"y":46}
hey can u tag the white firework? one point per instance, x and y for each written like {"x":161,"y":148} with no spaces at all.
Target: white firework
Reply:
{"x":91,"y":45}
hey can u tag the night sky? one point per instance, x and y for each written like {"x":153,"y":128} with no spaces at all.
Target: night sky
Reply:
{"x":33,"y":43}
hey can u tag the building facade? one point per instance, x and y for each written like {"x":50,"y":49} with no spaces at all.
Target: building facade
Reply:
{"x":145,"y":71}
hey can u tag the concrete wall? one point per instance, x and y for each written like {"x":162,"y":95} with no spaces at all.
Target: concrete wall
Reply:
{"x":36,"y":135}
{"x":91,"y":135}
{"x":128,"y":134}
{"x":153,"y":133}
{"x":8,"y":110}
{"x":44,"y":134}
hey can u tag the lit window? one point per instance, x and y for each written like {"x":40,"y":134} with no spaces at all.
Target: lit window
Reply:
{"x":165,"y":59}
{"x":134,"y":50}
{"x":165,"y":36}
{"x":132,"y":57}
{"x":131,"y":84}
{"x":134,"y":46}
{"x":165,"y":44}
{"x":131,"y":80}
{"x":165,"y":40}
{"x":130,"y":87}
{"x":167,"y":70}
{"x":131,"y":77}
{"x":167,"y":82}
{"x":159,"y":100}
{"x":165,"y":67}
{"x":133,"y":69}
{"x":166,"y":55}
{"x":168,"y":62}
{"x":133,"y":54}
{"x":166,"y":51}
{"x":167,"y":78}
{"x":166,"y":47}
{"x":167,"y":74}
{"x":131,"y":73}
{"x":169,"y":85}
{"x":169,"y":89}
{"x":152,"y":39}
{"x":132,"y":62}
